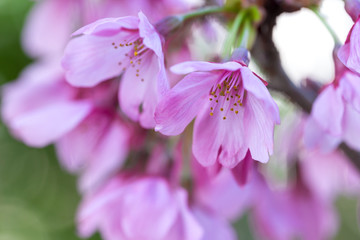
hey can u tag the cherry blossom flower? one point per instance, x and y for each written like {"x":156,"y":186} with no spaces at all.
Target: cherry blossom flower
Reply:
{"x":110,"y":47}
{"x":138,"y":208}
{"x":41,"y":108}
{"x":292,"y":212}
{"x":335,"y":114}
{"x":234,"y":112}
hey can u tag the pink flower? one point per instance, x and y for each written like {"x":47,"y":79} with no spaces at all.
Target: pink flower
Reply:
{"x":110,"y":47}
{"x":326,"y":174}
{"x":234,"y":112}
{"x":335,"y":115}
{"x":138,"y":208}
{"x":40,"y":38}
{"x":293,"y":212}
{"x":349,"y":53}
{"x":41,"y":108}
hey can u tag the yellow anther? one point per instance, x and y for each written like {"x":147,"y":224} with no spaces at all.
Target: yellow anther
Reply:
{"x":227,"y":99}
{"x":224,"y":118}
{"x":211,"y":108}
{"x":135,"y":53}
{"x":131,"y":62}
{"x":231,"y":109}
{"x":235,"y":104}
{"x":222,"y":93}
{"x":219,"y":86}
{"x":228,"y":91}
{"x":211,"y":114}
{"x":241,"y":104}
{"x":217,"y":101}
{"x":236,"y":112}
{"x":210,"y":99}
{"x":121,"y":45}
{"x":221,"y":109}
{"x":137,"y":75}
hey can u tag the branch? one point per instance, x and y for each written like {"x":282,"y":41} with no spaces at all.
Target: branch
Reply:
{"x":267,"y":57}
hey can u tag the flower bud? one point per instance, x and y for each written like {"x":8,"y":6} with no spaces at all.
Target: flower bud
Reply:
{"x":352,"y":7}
{"x":169,"y":24}
{"x":241,"y":55}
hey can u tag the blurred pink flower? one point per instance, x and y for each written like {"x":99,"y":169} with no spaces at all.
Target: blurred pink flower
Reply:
{"x":349,"y":53}
{"x":327,"y":175}
{"x":235,"y":112}
{"x":138,"y":208}
{"x":41,"y":108}
{"x":335,"y":114}
{"x":294,"y":212}
{"x":110,"y":47}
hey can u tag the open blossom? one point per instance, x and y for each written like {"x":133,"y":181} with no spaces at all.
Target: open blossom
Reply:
{"x":335,"y":114}
{"x":234,"y":112}
{"x":41,"y":108}
{"x":145,"y":208}
{"x":349,"y":53}
{"x":127,"y":46}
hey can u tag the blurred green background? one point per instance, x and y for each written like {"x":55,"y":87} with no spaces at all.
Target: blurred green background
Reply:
{"x":38,"y":199}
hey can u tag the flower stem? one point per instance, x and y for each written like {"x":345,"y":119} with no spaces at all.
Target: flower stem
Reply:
{"x":326,"y":24}
{"x":232,"y":36}
{"x":204,"y":11}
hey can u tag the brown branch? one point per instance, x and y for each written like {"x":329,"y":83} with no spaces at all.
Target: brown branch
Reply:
{"x":267,"y":57}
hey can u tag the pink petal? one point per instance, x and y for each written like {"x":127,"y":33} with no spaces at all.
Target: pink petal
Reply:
{"x":187,"y":226}
{"x":259,"y":125}
{"x":193,"y":66}
{"x":316,"y":137}
{"x":254,"y":85}
{"x":76,"y":148}
{"x":40,"y":37}
{"x":349,"y":54}
{"x":45,"y":125}
{"x":90,"y":59}
{"x":328,"y":110}
{"x":108,"y":156}
{"x":351,"y":127}
{"x":149,"y":205}
{"x":140,"y":91}
{"x":109,"y":26}
{"x":241,"y":171}
{"x":91,"y":210}
{"x":215,"y":227}
{"x":182,"y":103}
{"x":207,"y":137}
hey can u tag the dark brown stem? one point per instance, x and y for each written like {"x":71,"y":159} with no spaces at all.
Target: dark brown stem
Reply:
{"x":267,"y":57}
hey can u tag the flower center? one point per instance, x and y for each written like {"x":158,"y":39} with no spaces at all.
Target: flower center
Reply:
{"x":134,"y":52}
{"x":227,"y":95}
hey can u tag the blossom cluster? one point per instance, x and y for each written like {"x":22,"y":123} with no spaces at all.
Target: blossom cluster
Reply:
{"x":168,"y":147}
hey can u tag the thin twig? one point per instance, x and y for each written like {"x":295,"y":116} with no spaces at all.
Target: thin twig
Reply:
{"x":267,"y":57}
